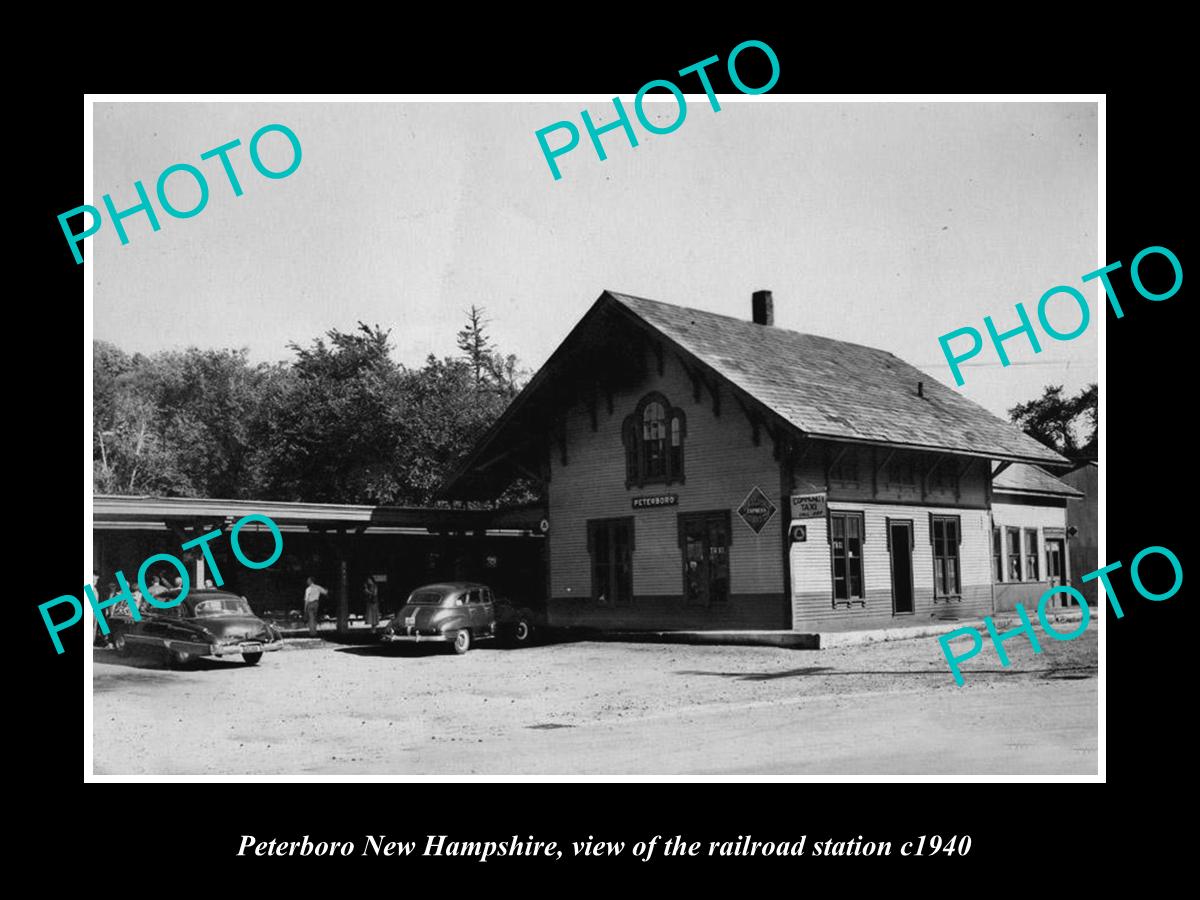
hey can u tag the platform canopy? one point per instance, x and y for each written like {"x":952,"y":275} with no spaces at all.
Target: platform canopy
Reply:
{"x":126,"y":512}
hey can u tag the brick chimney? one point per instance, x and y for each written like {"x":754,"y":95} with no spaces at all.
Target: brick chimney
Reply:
{"x":763,"y":308}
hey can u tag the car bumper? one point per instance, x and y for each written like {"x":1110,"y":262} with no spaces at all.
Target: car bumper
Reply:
{"x":222,"y":649}
{"x":441,"y":637}
{"x":242,"y":647}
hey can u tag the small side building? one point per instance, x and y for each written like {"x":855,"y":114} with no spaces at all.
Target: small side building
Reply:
{"x":1031,"y":552}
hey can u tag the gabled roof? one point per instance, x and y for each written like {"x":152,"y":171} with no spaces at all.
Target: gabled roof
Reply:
{"x":1020,"y":478}
{"x":835,"y":389}
{"x":815,"y":386}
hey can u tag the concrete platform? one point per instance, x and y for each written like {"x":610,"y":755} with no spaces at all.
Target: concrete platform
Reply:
{"x":823,"y":640}
{"x":294,"y":629}
{"x":1003,"y":620}
{"x":795,"y":640}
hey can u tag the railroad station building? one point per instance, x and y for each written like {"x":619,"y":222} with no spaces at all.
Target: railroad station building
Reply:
{"x":714,"y":473}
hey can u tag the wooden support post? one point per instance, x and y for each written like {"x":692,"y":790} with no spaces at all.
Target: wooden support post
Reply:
{"x":879,"y":468}
{"x":343,"y":600}
{"x":958,"y":475}
{"x":831,"y":462}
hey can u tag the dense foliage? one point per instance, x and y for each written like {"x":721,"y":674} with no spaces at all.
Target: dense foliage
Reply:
{"x":341,"y":423}
{"x":1063,"y":423}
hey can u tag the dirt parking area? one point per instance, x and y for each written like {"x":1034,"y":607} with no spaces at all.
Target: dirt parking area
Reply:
{"x":603,"y":708}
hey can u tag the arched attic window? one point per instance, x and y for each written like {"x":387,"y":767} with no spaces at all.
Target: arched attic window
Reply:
{"x":653,"y":436}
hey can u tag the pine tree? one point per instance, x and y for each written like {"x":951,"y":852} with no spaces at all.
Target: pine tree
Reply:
{"x":475,"y":345}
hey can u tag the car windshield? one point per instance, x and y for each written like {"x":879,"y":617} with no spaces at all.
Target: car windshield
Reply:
{"x":222,"y":606}
{"x":426,"y":598}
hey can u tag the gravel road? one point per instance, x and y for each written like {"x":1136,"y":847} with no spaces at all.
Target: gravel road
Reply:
{"x":603,"y":708}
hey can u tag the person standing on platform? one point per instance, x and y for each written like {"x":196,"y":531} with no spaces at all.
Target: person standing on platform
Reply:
{"x":312,"y":604}
{"x":371,"y":601}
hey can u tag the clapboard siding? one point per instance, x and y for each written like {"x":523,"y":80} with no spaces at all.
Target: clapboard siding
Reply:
{"x":1026,"y":516}
{"x":722,"y":466}
{"x":812,"y":577}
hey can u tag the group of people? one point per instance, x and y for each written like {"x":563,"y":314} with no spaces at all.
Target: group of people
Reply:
{"x":313,"y":593}
{"x":156,"y":586}
{"x":159,"y":584}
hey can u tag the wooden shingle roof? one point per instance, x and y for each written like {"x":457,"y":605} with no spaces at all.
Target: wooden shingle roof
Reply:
{"x":835,"y":389}
{"x":816,"y":386}
{"x":1020,"y":478}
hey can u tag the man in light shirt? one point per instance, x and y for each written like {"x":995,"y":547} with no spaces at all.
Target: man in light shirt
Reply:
{"x":312,"y":602}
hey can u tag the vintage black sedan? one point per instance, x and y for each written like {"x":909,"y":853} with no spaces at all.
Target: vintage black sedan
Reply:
{"x":206,"y":623}
{"x":459,"y":613}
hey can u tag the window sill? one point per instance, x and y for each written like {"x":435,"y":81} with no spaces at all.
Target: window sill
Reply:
{"x":635,"y":485}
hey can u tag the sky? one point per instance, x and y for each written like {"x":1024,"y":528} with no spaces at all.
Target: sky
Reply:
{"x":886,"y":224}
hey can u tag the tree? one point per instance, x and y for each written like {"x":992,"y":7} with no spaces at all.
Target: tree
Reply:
{"x":333,"y":424}
{"x":130,"y":454}
{"x":341,"y":423}
{"x":1066,"y":424}
{"x":445,"y":414}
{"x":475,"y":344}
{"x":507,"y":376}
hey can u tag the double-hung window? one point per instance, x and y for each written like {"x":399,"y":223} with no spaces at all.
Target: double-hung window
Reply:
{"x":1031,"y":555}
{"x":945,"y":532}
{"x":1014,"y":554}
{"x":846,"y":548}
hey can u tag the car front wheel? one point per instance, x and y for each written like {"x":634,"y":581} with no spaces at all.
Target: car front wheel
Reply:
{"x":462,"y":641}
{"x":251,"y":659}
{"x":522,"y":632}
{"x":118,"y":643}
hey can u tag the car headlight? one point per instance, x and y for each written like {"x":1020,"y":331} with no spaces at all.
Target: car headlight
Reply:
{"x":384,"y":625}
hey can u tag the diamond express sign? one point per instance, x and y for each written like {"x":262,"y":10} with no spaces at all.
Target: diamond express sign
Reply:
{"x":756,"y":510}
